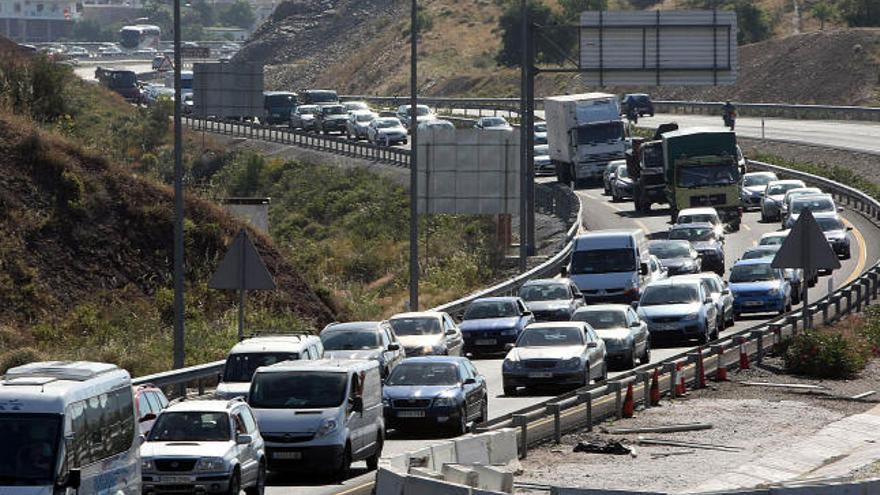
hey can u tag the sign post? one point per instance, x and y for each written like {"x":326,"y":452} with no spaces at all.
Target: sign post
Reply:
{"x":806,"y":248}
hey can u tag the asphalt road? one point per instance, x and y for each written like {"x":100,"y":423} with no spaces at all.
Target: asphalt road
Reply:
{"x":601,"y":213}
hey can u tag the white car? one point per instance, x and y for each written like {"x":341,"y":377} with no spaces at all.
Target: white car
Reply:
{"x":436,"y":124}
{"x":625,"y":335}
{"x":793,"y":193}
{"x":427,"y":333}
{"x":540,"y":133}
{"x":702,"y":215}
{"x":387,"y":131}
{"x":493,"y":124}
{"x":209,"y":445}
{"x":358,"y":122}
{"x":354,"y":106}
{"x":774,"y":193}
{"x":773,"y":238}
{"x":110,"y":51}
{"x":78,"y":52}
{"x":423,"y":112}
{"x":753,"y":187}
{"x":819,"y":205}
{"x":543,"y":164}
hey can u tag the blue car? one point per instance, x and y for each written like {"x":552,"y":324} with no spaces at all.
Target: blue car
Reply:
{"x":759,"y":288}
{"x":491,"y":323}
{"x":445,"y":391}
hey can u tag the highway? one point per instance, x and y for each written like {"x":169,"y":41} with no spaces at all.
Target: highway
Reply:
{"x":601,"y":213}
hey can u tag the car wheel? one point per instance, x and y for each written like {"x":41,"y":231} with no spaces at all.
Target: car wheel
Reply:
{"x":259,"y":486}
{"x":788,"y":306}
{"x":234,"y":484}
{"x":646,"y":356}
{"x":509,"y":390}
{"x":373,"y":460}
{"x":763,"y":216}
{"x":614,"y":196}
{"x":732,"y":320}
{"x":462,"y":427}
{"x":631,"y":361}
{"x":343,"y":470}
{"x":706,"y":335}
{"x":715,"y":333}
{"x":484,"y":410}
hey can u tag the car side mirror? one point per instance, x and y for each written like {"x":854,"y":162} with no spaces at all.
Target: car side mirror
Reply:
{"x":726,"y":291}
{"x":357,"y":404}
{"x":509,"y":347}
{"x":563,"y":272}
{"x":244,"y":439}
{"x":635,"y":324}
{"x":393,"y":347}
{"x":142,"y":439}
{"x":469,"y":381}
{"x":450,"y":331}
{"x":634,"y":305}
{"x":708,"y":300}
{"x":849,"y":229}
{"x":527,"y":313}
{"x":592,"y":344}
{"x":839,"y":208}
{"x":148,"y":417}
{"x":73,"y":479}
{"x":643,"y":268}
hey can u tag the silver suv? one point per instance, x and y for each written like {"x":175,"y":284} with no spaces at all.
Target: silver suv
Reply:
{"x":204,"y":446}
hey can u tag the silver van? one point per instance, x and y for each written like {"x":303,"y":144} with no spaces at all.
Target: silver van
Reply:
{"x":610,"y":265}
{"x":320,"y":415}
{"x":250,"y":354}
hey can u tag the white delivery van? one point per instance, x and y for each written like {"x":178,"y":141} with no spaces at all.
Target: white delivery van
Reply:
{"x":610,"y":265}
{"x":250,"y":354}
{"x":66,"y":428}
{"x":320,"y":415}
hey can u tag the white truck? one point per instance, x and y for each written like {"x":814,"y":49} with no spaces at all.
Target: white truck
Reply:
{"x":584,"y":133}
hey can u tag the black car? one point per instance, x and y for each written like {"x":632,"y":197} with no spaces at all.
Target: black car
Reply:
{"x":640,"y":101}
{"x":703,"y":236}
{"x":553,"y":299}
{"x":331,"y":118}
{"x":678,"y":257}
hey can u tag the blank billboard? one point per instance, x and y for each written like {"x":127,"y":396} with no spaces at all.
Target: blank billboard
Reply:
{"x":468,"y":171}
{"x":228,"y":90}
{"x":660,"y":47}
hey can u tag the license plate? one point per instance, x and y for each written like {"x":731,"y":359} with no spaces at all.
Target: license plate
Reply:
{"x":663,"y":326}
{"x":410,"y":414}
{"x":540,"y":374}
{"x":753,"y":303}
{"x":176,"y":479}
{"x":486,"y":341}
{"x":287,"y":455}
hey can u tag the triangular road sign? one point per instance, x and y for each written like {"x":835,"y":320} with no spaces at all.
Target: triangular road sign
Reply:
{"x":806,"y":247}
{"x":166,"y":65}
{"x":242,"y":268}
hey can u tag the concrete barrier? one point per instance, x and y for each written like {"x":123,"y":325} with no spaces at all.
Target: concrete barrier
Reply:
{"x":389,"y":482}
{"x":442,"y":454}
{"x":472,"y":449}
{"x":462,"y":475}
{"x":597,"y":491}
{"x":419,"y":458}
{"x":415,"y":485}
{"x":494,"y":479}
{"x":503,"y":446}
{"x":425,"y":473}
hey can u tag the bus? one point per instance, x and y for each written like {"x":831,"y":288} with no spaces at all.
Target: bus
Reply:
{"x":68,"y":427}
{"x":139,"y":36}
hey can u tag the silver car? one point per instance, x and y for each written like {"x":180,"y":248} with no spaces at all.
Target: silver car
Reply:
{"x":205,"y":446}
{"x":624,"y":333}
{"x":774,"y":194}
{"x":554,"y":299}
{"x":357,"y":124}
{"x":365,"y":340}
{"x":387,"y":131}
{"x":679,"y":308}
{"x":424,"y":113}
{"x":564,"y":353}
{"x":720,"y":294}
{"x":427,"y":333}
{"x":304,"y":117}
{"x":493,"y":124}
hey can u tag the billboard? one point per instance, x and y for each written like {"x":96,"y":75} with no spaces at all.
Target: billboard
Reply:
{"x":468,"y":171}
{"x":227,"y":90}
{"x":660,"y":47}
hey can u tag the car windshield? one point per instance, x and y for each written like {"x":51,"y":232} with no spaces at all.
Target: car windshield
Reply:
{"x":334,"y":110}
{"x":365,"y":117}
{"x":490,"y":309}
{"x":27,"y":452}
{"x":122,"y":79}
{"x":541,"y":127}
{"x":240,"y":367}
{"x":307,"y":110}
{"x":280,"y":101}
{"x":544,"y":292}
{"x":819,"y":204}
{"x":350,"y":340}
{"x":692,"y":233}
{"x":602,"y":319}
{"x":355,"y":105}
{"x":669,"y":294}
{"x":752,"y":273}
{"x":421,"y":110}
{"x":828,"y":224}
{"x":603,"y":261}
{"x":416,"y":326}
{"x":667,"y":250}
{"x":298,"y":390}
{"x":780,"y":189}
{"x":703,"y":218}
{"x":622,"y":173}
{"x":752,"y":254}
{"x":551,"y":337}
{"x":772,"y":240}
{"x":190,"y":426}
{"x":493,"y":122}
{"x":426,"y":374}
{"x":757,"y":180}
{"x":542,"y":149}
{"x":600,"y":133}
{"x":708,"y":171}
{"x":322,"y":96}
{"x":387,"y":123}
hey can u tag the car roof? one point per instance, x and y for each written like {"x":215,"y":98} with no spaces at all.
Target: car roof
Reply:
{"x":812,"y":197}
{"x":417,"y":314}
{"x":764,"y":247}
{"x":657,"y":242}
{"x":602,"y":307}
{"x":555,"y":324}
{"x":274,"y":343}
{"x":363,"y":111}
{"x":698,"y":211}
{"x":497,"y":299}
{"x":753,"y":261}
{"x":692,"y":225}
{"x":326,"y":364}
{"x":697,"y":276}
{"x":436,"y":359}
{"x":778,"y":233}
{"x":548,"y":281}
{"x":353,"y":325}
{"x":666,"y":282}
{"x":198,"y":406}
{"x":755,"y":174}
{"x":785,"y":181}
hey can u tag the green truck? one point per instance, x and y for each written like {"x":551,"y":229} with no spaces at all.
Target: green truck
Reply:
{"x":704,"y":168}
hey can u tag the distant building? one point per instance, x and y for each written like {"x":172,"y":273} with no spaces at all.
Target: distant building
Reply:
{"x":227,"y":33}
{"x":27,"y":21}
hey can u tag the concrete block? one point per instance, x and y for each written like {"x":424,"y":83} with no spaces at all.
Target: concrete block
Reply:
{"x":389,"y":482}
{"x":472,"y":449}
{"x":419,"y":458}
{"x":415,"y":485}
{"x":443,"y":453}
{"x":503,"y":446}
{"x":398,"y":462}
{"x":597,"y":491}
{"x":867,"y":487}
{"x":425,"y":473}
{"x":462,"y":475}
{"x":477,"y":491}
{"x":492,"y":478}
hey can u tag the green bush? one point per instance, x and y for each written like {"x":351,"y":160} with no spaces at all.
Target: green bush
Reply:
{"x":18,"y":357}
{"x":838,"y":351}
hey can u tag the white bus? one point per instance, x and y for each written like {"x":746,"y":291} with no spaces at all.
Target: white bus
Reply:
{"x":140,"y":36}
{"x":66,"y":428}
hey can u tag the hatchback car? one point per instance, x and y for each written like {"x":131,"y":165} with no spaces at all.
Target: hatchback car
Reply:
{"x":679,"y":307}
{"x":624,"y":333}
{"x":554,"y":354}
{"x":608,"y":174}
{"x":490,"y":323}
{"x":493,"y":124}
{"x":423,"y":112}
{"x":372,"y":340}
{"x":701,"y":215}
{"x":386,"y":131}
{"x":819,"y":205}
{"x":304,"y":117}
{"x":204,"y":446}
{"x":773,"y":238}
{"x":331,"y":118}
{"x":554,"y":299}
{"x":753,"y":186}
{"x":676,"y":256}
{"x":793,"y":193}
{"x":722,"y":296}
{"x":836,"y":233}
{"x":759,"y":288}
{"x":427,"y":333}
{"x":704,"y":239}
{"x":795,"y":276}
{"x":149,"y":401}
{"x":774,"y":193}
{"x":357,"y":124}
{"x":621,"y":184}
{"x":435,"y":391}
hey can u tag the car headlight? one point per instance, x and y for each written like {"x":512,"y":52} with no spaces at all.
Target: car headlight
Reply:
{"x":773,"y":292}
{"x":386,"y":402}
{"x":691,"y":317}
{"x":211,"y":464}
{"x":147,"y":465}
{"x":444,"y":402}
{"x":509,"y":331}
{"x":327,"y":426}
{"x":572,"y":363}
{"x":511,"y":365}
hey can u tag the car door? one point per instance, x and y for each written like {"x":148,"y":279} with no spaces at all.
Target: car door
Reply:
{"x":595,"y":355}
{"x":526,"y":316}
{"x":256,"y":450}
{"x":709,"y":308}
{"x":576,"y":296}
{"x":243,"y":452}
{"x":454,"y":341}
{"x":397,"y":355}
{"x":639,"y":330}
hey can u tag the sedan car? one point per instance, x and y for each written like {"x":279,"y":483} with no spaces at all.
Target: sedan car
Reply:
{"x":759,"y":288}
{"x":836,"y":233}
{"x":722,"y":296}
{"x":490,"y":323}
{"x":354,"y":106}
{"x":386,"y":131}
{"x":638,"y":102}
{"x":819,"y":205}
{"x":543,"y":164}
{"x":795,"y":276}
{"x":435,"y":391}
{"x":554,"y":354}
{"x":704,"y":239}
{"x":700,"y":215}
{"x":624,"y":333}
{"x":540,"y":133}
{"x":774,"y":193}
{"x":423,"y":113}
{"x":331,"y":118}
{"x":304,"y":117}
{"x":608,"y":174}
{"x":753,"y":186}
{"x":773,"y":238}
{"x":677,"y":256}
{"x":554,"y":299}
{"x":621,"y":184}
{"x":357,"y":124}
{"x":493,"y":124}
{"x":436,"y":124}
{"x":363,"y":340}
{"x":210,"y":446}
{"x":793,"y":193}
{"x":679,"y":307}
{"x":427,"y":333}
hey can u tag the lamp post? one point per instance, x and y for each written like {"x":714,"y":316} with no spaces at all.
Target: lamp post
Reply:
{"x":413,"y":165}
{"x":179,"y":341}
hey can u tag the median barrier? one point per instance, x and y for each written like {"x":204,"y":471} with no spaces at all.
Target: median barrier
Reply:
{"x":442,"y":454}
{"x":462,"y":475}
{"x":494,"y":479}
{"x":389,"y":482}
{"x":502,"y":446}
{"x":472,"y":449}
{"x":416,"y":485}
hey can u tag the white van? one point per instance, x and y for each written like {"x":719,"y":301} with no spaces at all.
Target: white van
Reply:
{"x":250,"y":354}
{"x":610,"y":265}
{"x":68,"y":427}
{"x":320,"y":415}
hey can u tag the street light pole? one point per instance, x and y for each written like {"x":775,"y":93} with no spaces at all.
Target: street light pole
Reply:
{"x":523,"y":141}
{"x":179,"y":341}
{"x":413,"y":165}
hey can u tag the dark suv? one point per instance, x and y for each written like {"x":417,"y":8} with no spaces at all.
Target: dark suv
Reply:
{"x":331,"y":118}
{"x":640,"y":101}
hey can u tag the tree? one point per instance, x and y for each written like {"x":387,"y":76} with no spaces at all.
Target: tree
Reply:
{"x":823,"y":12}
{"x":238,"y":14}
{"x":205,"y":11}
{"x":159,"y":15}
{"x":90,"y":30}
{"x":860,"y":13}
{"x":754,"y":24}
{"x":553,"y":44}
{"x":571,"y":9}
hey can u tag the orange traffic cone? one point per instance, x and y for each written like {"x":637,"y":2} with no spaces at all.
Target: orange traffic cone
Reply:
{"x":743,"y":357}
{"x":701,"y":370}
{"x":680,"y":387}
{"x":655,"y":388}
{"x":721,"y":373}
{"x":629,"y":405}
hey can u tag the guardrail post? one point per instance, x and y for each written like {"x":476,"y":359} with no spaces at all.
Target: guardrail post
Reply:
{"x":618,"y":398}
{"x":823,"y":307}
{"x":522,"y":421}
{"x":793,"y":321}
{"x":760,"y":336}
{"x":848,"y":294}
{"x":645,"y":378}
{"x":694,"y":358}
{"x":587,"y":399}
{"x":776,"y":329}
{"x":670,"y":368}
{"x":201,"y":387}
{"x":718,"y":350}
{"x":555,"y":409}
{"x":837,"y":299}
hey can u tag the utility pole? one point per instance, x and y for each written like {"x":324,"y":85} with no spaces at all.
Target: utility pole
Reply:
{"x":413,"y":164}
{"x":179,"y":340}
{"x":523,"y":140}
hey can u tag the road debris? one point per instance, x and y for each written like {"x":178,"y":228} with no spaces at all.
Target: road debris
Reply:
{"x":863,"y":395}
{"x":693,"y":445}
{"x":796,"y":386}
{"x":602,"y":447}
{"x":658,"y":429}
{"x":658,"y":455}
